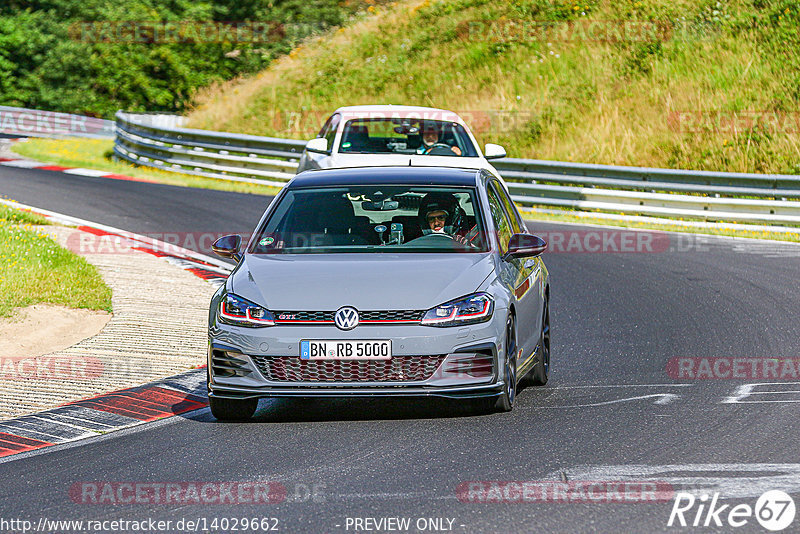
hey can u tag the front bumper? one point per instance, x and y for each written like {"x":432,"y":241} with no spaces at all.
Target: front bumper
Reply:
{"x":469,"y":365}
{"x":229,"y":392}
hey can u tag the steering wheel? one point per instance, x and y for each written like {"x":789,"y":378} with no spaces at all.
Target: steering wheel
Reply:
{"x":440,"y":149}
{"x":434,"y":235}
{"x":461,"y":241}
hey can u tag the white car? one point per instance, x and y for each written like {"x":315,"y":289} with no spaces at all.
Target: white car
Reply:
{"x":361,"y":136}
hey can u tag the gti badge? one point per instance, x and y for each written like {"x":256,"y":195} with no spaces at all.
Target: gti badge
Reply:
{"x":346,"y":318}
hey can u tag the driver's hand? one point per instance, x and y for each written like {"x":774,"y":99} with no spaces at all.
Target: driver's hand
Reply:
{"x":456,"y":150}
{"x":461,"y":239}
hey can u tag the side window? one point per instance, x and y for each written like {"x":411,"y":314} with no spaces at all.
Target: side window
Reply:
{"x":500,"y":219}
{"x":511,"y":210}
{"x":332,"y":128}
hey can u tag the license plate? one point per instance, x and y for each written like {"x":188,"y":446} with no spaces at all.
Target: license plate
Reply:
{"x":336,"y":349}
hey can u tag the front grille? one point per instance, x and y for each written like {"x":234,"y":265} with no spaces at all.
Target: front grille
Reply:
{"x":398,"y":369}
{"x":289,"y":317}
{"x":390,"y":315}
{"x":292,"y":316}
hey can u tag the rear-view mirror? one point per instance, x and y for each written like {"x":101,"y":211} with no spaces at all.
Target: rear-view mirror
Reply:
{"x":380,"y":205}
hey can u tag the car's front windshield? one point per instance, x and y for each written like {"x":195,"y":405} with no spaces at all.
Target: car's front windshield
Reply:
{"x":386,"y":218}
{"x":406,"y":136}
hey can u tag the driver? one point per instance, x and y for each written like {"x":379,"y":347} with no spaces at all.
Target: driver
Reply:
{"x":430,"y":139}
{"x":436,"y":220}
{"x":440,"y":213}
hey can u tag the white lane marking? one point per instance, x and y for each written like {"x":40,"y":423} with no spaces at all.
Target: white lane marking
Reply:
{"x":86,"y":172}
{"x":189,"y":264}
{"x":52,"y":420}
{"x":76,"y":422}
{"x":663,"y":398}
{"x":748,"y":390}
{"x":22,"y":163}
{"x":729,"y":480}
{"x":767,"y":250}
{"x":625,"y":386}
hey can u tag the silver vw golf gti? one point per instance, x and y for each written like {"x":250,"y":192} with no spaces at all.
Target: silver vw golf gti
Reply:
{"x":393,"y":281}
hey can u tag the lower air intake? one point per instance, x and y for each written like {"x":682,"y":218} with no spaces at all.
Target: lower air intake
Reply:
{"x":398,"y":369}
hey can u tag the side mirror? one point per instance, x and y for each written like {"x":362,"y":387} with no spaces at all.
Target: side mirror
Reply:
{"x":525,"y":245}
{"x":493,"y":151}
{"x":227,"y":246}
{"x":318,"y":145}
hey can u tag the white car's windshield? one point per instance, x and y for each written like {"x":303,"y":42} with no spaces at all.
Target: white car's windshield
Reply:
{"x":406,"y":136}
{"x":373,"y":219}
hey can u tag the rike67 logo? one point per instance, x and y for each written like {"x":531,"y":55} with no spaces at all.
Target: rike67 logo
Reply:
{"x":774,"y":510}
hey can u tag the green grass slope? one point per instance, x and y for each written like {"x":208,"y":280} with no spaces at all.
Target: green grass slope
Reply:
{"x":572,"y":81}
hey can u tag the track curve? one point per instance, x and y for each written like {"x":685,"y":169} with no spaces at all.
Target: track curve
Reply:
{"x":618,"y":319}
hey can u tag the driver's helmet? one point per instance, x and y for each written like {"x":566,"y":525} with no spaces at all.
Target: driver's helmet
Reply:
{"x":446,"y":202}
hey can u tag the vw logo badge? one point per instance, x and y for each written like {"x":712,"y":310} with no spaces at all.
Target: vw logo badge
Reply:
{"x":346,"y":318}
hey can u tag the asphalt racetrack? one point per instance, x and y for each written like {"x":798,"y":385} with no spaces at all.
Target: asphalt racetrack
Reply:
{"x":637,"y":394}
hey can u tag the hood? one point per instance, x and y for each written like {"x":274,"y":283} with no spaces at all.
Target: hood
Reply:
{"x":326,"y":282}
{"x":368,"y":160}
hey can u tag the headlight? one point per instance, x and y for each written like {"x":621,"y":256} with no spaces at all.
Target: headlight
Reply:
{"x":238,"y":311}
{"x":471,"y":309}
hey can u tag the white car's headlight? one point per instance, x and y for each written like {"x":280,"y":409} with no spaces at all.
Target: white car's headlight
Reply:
{"x":476,"y":308}
{"x":240,"y":312}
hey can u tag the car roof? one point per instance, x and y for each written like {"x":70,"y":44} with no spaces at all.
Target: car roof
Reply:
{"x":385,"y":107}
{"x":394,"y":175}
{"x":391,"y":111}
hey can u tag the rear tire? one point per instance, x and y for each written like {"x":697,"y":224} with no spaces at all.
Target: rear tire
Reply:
{"x":232,"y":409}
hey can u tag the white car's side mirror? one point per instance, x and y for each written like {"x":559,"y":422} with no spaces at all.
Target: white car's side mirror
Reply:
{"x":319,"y":145}
{"x":493,"y":151}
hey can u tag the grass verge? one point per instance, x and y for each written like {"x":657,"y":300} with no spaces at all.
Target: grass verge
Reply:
{"x":726,"y":231}
{"x":96,"y":154}
{"x":34,"y":269}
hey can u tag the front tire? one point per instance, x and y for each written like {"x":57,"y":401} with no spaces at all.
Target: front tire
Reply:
{"x":505,"y":402}
{"x":232,"y":409}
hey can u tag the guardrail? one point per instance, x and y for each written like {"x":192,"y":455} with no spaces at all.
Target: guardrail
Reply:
{"x":24,"y":122}
{"x":160,"y":141}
